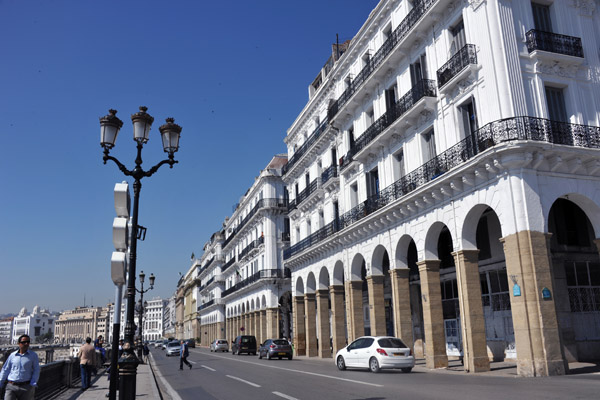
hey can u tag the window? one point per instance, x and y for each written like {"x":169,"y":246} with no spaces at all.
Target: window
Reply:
{"x":458,"y":37}
{"x":418,"y":70}
{"x":468,"y":118}
{"x":555,"y":99}
{"x":351,"y":137}
{"x":429,"y":150}
{"x":398,"y":161}
{"x":321,"y":219}
{"x":307,"y":180}
{"x":541,"y":17}
{"x":353,"y":195}
{"x":369,"y":118}
{"x":308,"y":228}
{"x":373,"y":183}
{"x":391,"y":96}
{"x":583,"y":284}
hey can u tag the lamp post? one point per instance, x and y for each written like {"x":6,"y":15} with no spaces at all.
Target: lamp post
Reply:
{"x":109,"y":129}
{"x":143,"y":306}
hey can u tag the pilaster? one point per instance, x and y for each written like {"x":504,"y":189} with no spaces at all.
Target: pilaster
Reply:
{"x":433,"y":317}
{"x":376,"y":305}
{"x":310,"y":309}
{"x":401,"y":305}
{"x":338,"y":317}
{"x":356,"y":323}
{"x":299,"y":327}
{"x":324,"y":350}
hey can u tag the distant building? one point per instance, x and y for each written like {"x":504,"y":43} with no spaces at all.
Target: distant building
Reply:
{"x":153,"y":320}
{"x":73,"y":326}
{"x":6,"y":327}
{"x":169,"y":318}
{"x":38,"y":323}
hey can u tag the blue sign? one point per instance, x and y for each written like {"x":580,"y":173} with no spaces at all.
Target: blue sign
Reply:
{"x":546,"y":295}
{"x":516,"y":290}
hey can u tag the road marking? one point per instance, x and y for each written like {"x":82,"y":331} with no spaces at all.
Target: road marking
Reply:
{"x":242,"y":380}
{"x":166,"y":384}
{"x":285,"y":396}
{"x":208,"y":368}
{"x":301,"y":372}
{"x":193,"y":362}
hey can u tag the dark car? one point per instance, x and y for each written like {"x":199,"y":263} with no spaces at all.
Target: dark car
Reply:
{"x":191,"y":343}
{"x":244,"y":344}
{"x":275,"y":348}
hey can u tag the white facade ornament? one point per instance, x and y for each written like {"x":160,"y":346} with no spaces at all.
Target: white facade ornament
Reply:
{"x":557,"y":68}
{"x":586,"y":7}
{"x":476,"y":3}
{"x":462,"y":86}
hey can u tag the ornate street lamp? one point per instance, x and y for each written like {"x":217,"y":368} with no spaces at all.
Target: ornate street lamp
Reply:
{"x":109,"y":130}
{"x":143,"y":306}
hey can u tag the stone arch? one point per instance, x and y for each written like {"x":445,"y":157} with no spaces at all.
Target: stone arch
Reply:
{"x":403,"y":249}
{"x":264,"y":302}
{"x":252,"y":305}
{"x":469,"y":228}
{"x":324,"y":281}
{"x":431,"y":240}
{"x":311,"y":284}
{"x":377,"y":260}
{"x":588,"y":206}
{"x":356,"y":267}
{"x":299,"y":287}
{"x":338,"y":273}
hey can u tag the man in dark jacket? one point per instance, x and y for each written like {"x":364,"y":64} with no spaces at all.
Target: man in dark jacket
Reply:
{"x":183,"y":355}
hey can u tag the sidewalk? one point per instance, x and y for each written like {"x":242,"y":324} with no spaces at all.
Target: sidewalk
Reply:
{"x":145,"y":387}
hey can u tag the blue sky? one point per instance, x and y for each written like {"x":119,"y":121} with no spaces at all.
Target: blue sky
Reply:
{"x":233,"y":74}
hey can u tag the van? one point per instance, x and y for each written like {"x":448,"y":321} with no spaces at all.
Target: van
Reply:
{"x":244,"y":344}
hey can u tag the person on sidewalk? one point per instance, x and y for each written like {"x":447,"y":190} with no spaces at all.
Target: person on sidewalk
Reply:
{"x":146,"y":352}
{"x":183,"y":355}
{"x":22,"y":371}
{"x":86,"y":355}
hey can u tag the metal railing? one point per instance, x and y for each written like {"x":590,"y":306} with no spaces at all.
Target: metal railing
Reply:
{"x":459,"y":61}
{"x":207,"y":304}
{"x":378,"y":58}
{"x":505,"y":130}
{"x":253,"y":245}
{"x":228,"y":264}
{"x":554,"y":43}
{"x":262,"y":203}
{"x":329,"y":173}
{"x":303,"y":195}
{"x":423,"y":88}
{"x":305,"y":146}
{"x":263,"y":274}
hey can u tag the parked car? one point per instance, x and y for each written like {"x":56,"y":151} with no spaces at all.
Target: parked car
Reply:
{"x":244,"y":344}
{"x":219,"y":345}
{"x":375,"y":353}
{"x":164,"y":344}
{"x":191,"y":342}
{"x":158,"y":344}
{"x":275,"y":348}
{"x":173,"y":348}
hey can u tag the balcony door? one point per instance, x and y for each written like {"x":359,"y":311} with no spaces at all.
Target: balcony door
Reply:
{"x":541,"y":17}
{"x":555,"y":99}
{"x":459,"y":39}
{"x":373,"y":184}
{"x":418,"y":70}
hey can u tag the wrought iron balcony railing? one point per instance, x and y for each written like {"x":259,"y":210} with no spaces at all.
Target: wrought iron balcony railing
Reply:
{"x":228,"y":264}
{"x":329,"y":173}
{"x":423,"y":88}
{"x":378,"y":58}
{"x":505,"y":130}
{"x":205,"y":267}
{"x":459,"y":61}
{"x":253,"y":245}
{"x":305,"y":146}
{"x":207,"y":304}
{"x":263,"y":274}
{"x":262,"y":203}
{"x":554,"y":43}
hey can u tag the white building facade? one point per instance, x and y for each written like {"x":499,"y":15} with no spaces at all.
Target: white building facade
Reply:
{"x":38,"y":323}
{"x":153,"y":319}
{"x":242,"y":286}
{"x":6,"y":327}
{"x":443,"y":182}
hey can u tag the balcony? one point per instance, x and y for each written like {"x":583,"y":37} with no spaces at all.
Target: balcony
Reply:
{"x":553,"y":43}
{"x":488,"y":136}
{"x":460,"y":65}
{"x":329,"y":173}
{"x":264,"y":274}
{"x":397,"y":36}
{"x":402,"y":109}
{"x":253,"y":245}
{"x":262,"y":203}
{"x":306,"y":146}
{"x":206,"y":305}
{"x":228,"y":264}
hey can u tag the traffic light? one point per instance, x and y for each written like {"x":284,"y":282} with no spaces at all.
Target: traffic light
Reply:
{"x":118,"y":260}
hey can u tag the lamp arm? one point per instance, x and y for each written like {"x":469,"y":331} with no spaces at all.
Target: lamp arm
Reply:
{"x":152,"y":170}
{"x":122,"y":167}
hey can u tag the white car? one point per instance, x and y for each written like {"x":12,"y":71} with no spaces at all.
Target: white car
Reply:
{"x":375,"y":353}
{"x":173,"y":348}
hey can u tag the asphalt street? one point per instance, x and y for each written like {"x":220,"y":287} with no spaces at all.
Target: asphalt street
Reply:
{"x":225,"y":376}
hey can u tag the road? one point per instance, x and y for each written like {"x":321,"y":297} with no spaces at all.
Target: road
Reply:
{"x":225,"y":376}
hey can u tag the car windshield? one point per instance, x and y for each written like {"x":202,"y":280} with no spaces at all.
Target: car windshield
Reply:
{"x":173,"y":344}
{"x":246,"y":340}
{"x":391,"y":343}
{"x":280,"y":342}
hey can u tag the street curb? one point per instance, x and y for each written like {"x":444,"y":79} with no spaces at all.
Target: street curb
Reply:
{"x":156,"y":373}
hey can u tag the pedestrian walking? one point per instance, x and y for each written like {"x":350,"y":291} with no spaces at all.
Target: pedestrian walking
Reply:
{"x":86,"y":355}
{"x":22,"y":371}
{"x":183,"y":355}
{"x":146,"y":352}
